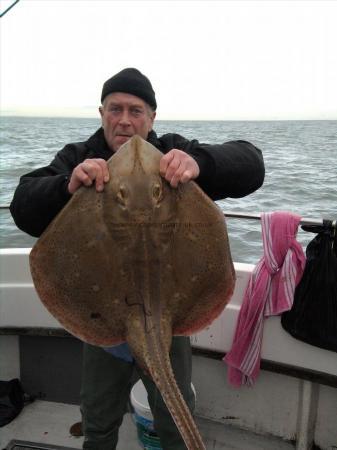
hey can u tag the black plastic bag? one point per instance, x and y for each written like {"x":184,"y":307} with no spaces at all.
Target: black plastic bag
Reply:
{"x":313,"y":316}
{"x":12,"y":400}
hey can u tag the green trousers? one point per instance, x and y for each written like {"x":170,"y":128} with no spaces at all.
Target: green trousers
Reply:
{"x":105,"y":391}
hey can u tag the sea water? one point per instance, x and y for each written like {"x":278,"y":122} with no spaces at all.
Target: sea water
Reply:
{"x":300,"y":159}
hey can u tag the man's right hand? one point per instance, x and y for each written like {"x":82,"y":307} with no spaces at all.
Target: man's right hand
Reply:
{"x":88,"y":172}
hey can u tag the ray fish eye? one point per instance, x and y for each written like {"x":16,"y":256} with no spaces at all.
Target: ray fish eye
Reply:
{"x":157,"y":191}
{"x":121,"y":195}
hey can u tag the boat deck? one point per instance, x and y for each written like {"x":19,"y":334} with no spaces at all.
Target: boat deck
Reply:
{"x":48,"y":423}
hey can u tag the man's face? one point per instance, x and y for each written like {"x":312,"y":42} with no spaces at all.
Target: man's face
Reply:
{"x":124,"y":115}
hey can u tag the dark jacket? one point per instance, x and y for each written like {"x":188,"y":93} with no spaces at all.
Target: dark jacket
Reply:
{"x":232,"y":169}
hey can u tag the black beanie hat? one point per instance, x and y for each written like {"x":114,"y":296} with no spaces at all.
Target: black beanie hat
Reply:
{"x":131,"y":81}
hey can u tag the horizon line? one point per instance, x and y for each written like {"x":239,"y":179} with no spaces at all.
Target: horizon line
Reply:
{"x":47,"y":116}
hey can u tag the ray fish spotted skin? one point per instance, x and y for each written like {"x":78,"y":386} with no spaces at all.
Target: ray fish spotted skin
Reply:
{"x":138,"y":263}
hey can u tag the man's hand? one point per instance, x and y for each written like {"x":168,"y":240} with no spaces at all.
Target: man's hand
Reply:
{"x":88,"y":172}
{"x":178,"y":167}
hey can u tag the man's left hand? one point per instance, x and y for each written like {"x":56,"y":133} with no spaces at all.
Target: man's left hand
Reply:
{"x":178,"y":167}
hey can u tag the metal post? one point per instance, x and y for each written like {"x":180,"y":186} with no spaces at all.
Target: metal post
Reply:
{"x":307,"y":413}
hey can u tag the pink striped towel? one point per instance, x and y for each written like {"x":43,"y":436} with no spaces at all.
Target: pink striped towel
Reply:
{"x":270,"y":291}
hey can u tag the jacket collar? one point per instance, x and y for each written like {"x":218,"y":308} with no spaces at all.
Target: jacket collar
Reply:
{"x":99,"y":146}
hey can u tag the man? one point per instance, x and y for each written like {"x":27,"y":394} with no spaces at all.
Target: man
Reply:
{"x":232,"y":169}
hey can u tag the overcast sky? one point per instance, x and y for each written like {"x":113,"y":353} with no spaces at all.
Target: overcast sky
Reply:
{"x":223,"y":60}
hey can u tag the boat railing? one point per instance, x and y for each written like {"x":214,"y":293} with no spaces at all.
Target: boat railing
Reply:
{"x":257,"y":216}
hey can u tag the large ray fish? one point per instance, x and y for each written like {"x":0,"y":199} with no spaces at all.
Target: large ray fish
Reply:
{"x":139,"y":262}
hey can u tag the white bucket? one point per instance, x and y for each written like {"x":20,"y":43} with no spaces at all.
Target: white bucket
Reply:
{"x":147,"y":437}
